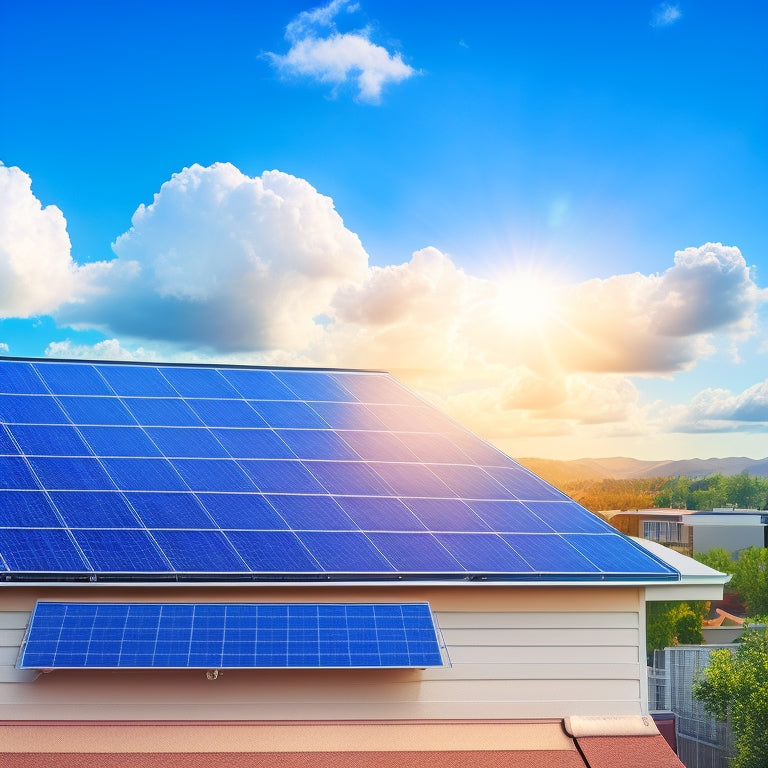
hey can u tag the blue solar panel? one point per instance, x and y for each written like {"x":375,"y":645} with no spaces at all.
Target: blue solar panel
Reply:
{"x":94,"y":509}
{"x":27,"y":509}
{"x":96,"y":410}
{"x":31,"y":409}
{"x":185,"y":442}
{"x":278,"y":473}
{"x":21,"y":378}
{"x":253,"y":444}
{"x":210,"y":635}
{"x":49,"y":440}
{"x":63,"y":379}
{"x":118,"y":441}
{"x":169,"y":510}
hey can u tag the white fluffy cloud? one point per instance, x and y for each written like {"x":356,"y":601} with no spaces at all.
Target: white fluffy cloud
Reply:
{"x":36,"y":270}
{"x":262,"y":270}
{"x":224,"y":261}
{"x":321,"y":52}
{"x":719,"y":410}
{"x":4,"y":347}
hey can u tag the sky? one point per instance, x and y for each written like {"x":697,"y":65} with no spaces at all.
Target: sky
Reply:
{"x":549,"y":219}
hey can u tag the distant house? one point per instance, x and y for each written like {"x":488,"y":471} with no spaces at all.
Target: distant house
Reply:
{"x":222,"y":565}
{"x":691,"y":531}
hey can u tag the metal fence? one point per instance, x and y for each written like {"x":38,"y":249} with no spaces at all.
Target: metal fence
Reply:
{"x":702,"y":741}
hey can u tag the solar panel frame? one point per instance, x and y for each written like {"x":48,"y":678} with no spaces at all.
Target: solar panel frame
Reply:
{"x":356,"y":443}
{"x":117,"y":636}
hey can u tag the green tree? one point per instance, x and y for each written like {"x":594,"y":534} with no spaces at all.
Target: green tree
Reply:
{"x":717,"y":558}
{"x":750,"y":579}
{"x":737,"y":685}
{"x":672,"y":622}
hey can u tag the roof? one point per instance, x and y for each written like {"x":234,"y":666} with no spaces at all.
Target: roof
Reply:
{"x":145,"y":472}
{"x":452,"y":744}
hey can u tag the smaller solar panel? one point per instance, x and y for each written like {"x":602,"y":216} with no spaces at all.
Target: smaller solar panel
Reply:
{"x":214,"y":635}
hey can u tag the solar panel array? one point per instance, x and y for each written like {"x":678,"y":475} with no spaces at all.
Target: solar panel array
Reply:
{"x":208,"y":635}
{"x":116,"y":471}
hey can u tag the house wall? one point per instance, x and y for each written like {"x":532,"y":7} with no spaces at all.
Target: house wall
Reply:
{"x":515,"y":652}
{"x":730,"y":537}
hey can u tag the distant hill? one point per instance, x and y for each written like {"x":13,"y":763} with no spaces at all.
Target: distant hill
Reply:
{"x":621,"y":468}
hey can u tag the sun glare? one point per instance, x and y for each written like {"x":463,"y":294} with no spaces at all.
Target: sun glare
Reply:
{"x":526,"y":301}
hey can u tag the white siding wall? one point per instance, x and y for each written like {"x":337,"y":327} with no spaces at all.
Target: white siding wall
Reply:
{"x":514,"y":652}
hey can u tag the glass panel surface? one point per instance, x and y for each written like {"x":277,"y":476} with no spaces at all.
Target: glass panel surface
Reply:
{"x":111,"y":551}
{"x":31,"y":409}
{"x":258,"y":385}
{"x":525,"y":485}
{"x":94,"y":509}
{"x":213,"y":475}
{"x":61,"y":473}
{"x":290,"y":415}
{"x":549,"y":553}
{"x":615,"y":554}
{"x":49,"y":440}
{"x":226,"y":413}
{"x":253,"y":444}
{"x":509,"y":517}
{"x":470,"y":482}
{"x":446,"y":515}
{"x":413,"y":480}
{"x":72,"y":379}
{"x":198,"y":382}
{"x":162,"y":412}
{"x":378,"y":513}
{"x":119,"y":441}
{"x":96,"y":410}
{"x":378,"y":446}
{"x":23,"y":509}
{"x":7,"y":446}
{"x":273,"y":551}
{"x":36,"y":549}
{"x":348,"y":478}
{"x":312,"y":513}
{"x":345,"y":552}
{"x":483,"y":552}
{"x":169,"y":510}
{"x":313,"y":386}
{"x":144,"y":475}
{"x":415,"y":553}
{"x":242,"y":510}
{"x":568,"y":517}
{"x":199,"y":551}
{"x":21,"y":378}
{"x":348,"y":416}
{"x":192,"y":442}
{"x":136,"y":381}
{"x":317,"y":444}
{"x":280,"y":476}
{"x":376,"y":388}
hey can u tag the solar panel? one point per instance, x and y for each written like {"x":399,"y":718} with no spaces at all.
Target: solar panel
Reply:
{"x":232,"y":636}
{"x":113,"y":471}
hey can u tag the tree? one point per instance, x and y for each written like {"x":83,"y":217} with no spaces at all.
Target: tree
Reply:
{"x":750,"y":579}
{"x":672,"y":622}
{"x":736,"y":684}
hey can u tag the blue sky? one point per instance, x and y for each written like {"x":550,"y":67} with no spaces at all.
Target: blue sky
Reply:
{"x":485,"y":198}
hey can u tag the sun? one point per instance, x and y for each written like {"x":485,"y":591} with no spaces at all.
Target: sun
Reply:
{"x":526,"y":301}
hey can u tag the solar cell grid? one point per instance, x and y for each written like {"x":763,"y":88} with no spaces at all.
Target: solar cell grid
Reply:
{"x":200,"y":635}
{"x":212,"y":470}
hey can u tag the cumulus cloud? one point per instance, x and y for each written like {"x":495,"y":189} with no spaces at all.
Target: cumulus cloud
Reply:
{"x":319,"y":51}
{"x":665,"y":14}
{"x":4,"y":347}
{"x":36,"y":269}
{"x":228,"y":262}
{"x":109,"y":349}
{"x":719,"y":410}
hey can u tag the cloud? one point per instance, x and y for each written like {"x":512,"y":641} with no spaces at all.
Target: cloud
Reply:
{"x":319,"y":51}
{"x":665,"y":14}
{"x":223,"y":261}
{"x":262,"y":270}
{"x":4,"y":347}
{"x":718,"y":410}
{"x":36,"y":269}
